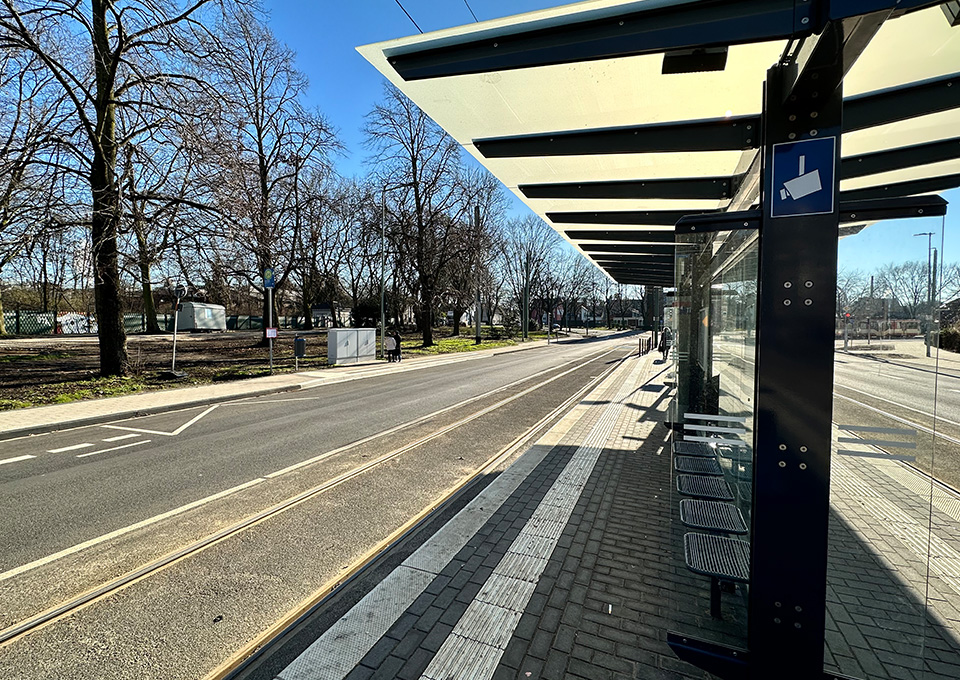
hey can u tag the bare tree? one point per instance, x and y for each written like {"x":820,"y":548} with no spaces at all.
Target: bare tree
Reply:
{"x":907,"y":284}
{"x":852,"y":285}
{"x":421,"y":169}
{"x":529,"y":247}
{"x":31,"y":113}
{"x":133,"y":61}
{"x":265,"y":141}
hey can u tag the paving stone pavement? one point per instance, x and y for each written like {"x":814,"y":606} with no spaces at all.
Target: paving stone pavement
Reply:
{"x":600,"y":603}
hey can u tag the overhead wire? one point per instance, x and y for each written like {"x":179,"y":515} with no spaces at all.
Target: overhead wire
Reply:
{"x":408,"y":15}
{"x":471,"y":11}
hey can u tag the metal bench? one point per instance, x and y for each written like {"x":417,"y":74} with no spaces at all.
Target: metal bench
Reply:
{"x":712,"y":516}
{"x":693,"y":449}
{"x":696,"y":465}
{"x":704,"y":487}
{"x":720,"y":558}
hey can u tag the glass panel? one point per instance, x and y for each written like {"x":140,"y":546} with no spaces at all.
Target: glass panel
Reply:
{"x":714,"y":323}
{"x":893,"y":582}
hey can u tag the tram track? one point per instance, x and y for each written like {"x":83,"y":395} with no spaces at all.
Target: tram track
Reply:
{"x":156,"y":566}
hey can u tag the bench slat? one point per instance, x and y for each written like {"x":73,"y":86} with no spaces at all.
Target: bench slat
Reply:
{"x":712,"y":516}
{"x":717,"y":556}
{"x":704,"y":487}
{"x":693,"y":449}
{"x":697,"y":466}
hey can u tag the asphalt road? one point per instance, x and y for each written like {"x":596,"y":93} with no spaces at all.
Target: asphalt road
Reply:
{"x":95,"y":503}
{"x":893,"y":392}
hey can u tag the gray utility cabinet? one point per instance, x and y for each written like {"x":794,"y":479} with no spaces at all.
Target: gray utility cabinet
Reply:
{"x":200,"y":316}
{"x":351,"y":345}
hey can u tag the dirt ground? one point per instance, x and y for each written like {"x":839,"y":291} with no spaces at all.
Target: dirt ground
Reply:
{"x":30,"y":367}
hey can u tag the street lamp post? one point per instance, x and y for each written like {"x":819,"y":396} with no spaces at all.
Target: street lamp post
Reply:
{"x":476,"y":224}
{"x":928,"y":322}
{"x":383,"y":269}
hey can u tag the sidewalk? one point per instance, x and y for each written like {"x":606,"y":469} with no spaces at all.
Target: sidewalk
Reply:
{"x":27,"y":421}
{"x":911,"y":352}
{"x":570,"y":565}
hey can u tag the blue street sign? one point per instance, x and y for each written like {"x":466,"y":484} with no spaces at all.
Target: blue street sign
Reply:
{"x":268,"y":278}
{"x":803,"y":177}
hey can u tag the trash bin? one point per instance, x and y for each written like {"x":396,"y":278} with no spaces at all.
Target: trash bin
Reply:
{"x":299,"y":347}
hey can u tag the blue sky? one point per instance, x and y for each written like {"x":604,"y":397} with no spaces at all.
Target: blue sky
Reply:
{"x":325,"y":33}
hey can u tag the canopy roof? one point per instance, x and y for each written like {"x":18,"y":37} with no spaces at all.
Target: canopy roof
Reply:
{"x":602,"y":118}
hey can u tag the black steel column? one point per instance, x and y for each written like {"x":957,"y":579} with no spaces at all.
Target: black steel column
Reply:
{"x":798,"y":276}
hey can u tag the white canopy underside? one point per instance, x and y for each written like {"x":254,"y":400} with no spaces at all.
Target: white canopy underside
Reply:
{"x":632,"y":91}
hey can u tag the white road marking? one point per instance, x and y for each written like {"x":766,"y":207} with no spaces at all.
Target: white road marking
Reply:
{"x":122,"y":436}
{"x":16,"y":571}
{"x":115,"y":448}
{"x":165,"y":434}
{"x":14,"y":460}
{"x":254,"y":402}
{"x":70,"y":448}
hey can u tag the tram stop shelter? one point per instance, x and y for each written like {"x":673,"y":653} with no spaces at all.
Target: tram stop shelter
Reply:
{"x":667,"y":139}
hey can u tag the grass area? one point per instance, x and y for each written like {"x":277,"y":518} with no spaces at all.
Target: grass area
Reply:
{"x":41,"y":356}
{"x":198,"y":373}
{"x":240,"y":372}
{"x":64,"y":393}
{"x":453,"y":345}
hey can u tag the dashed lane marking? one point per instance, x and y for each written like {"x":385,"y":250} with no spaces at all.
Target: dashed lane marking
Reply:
{"x":70,"y":448}
{"x":115,"y":448}
{"x":122,"y":436}
{"x":15,"y":460}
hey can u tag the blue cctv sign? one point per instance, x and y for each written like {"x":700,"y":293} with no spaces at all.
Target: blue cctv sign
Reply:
{"x":803,"y":177}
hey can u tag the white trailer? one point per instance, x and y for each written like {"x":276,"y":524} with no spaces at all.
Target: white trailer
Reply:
{"x":200,"y":316}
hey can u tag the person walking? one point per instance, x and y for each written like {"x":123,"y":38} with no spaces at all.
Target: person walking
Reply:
{"x":666,"y":339}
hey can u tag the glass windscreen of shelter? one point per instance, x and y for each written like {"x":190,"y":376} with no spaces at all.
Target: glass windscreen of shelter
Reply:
{"x":893,"y":581}
{"x":713,"y":317}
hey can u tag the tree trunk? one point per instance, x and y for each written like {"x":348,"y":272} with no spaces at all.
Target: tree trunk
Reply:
{"x":106,"y":271}
{"x":146,"y":291}
{"x":457,"y":317}
{"x":426,"y":315}
{"x":307,"y":314}
{"x":106,"y":276}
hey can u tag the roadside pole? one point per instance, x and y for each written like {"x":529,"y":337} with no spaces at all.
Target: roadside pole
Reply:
{"x":269,"y":282}
{"x":477,"y":338}
{"x":180,"y":292}
{"x":270,"y":324}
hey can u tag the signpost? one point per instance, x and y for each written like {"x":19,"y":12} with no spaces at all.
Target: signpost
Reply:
{"x":179,"y":293}
{"x":268,"y":285}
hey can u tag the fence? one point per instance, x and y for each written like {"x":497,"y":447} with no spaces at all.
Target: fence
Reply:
{"x":29,"y":322}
